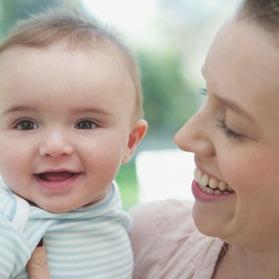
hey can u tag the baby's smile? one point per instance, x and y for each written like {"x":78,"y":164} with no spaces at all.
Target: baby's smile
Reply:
{"x":56,"y":180}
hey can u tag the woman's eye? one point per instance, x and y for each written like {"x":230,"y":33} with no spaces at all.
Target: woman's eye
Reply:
{"x":203,"y":91}
{"x":85,"y":124}
{"x":26,"y":125}
{"x":227,"y":131}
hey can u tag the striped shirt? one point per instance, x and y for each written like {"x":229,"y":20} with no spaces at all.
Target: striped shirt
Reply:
{"x":90,"y":242}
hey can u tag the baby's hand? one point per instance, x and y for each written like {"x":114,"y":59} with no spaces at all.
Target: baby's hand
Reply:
{"x":37,"y":267}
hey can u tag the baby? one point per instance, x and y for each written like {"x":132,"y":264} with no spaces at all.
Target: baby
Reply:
{"x":70,"y":115}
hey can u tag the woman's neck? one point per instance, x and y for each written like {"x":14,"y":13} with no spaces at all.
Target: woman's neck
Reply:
{"x":239,"y":263}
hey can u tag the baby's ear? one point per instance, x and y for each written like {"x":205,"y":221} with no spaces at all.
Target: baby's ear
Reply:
{"x":136,"y":135}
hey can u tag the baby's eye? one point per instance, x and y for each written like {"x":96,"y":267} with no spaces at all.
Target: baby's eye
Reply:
{"x":86,"y":124}
{"x":26,"y":125}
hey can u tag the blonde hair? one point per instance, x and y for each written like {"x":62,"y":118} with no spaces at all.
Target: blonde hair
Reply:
{"x":78,"y":30}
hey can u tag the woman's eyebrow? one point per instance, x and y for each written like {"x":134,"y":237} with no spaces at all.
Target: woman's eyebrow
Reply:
{"x":234,"y":107}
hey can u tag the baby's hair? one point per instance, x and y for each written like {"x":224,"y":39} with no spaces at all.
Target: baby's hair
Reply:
{"x":265,"y":12}
{"x":75,"y":28}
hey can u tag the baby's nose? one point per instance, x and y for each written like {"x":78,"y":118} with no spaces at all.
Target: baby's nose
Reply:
{"x":56,"y":144}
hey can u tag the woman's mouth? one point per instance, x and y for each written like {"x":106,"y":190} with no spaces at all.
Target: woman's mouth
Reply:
{"x":211,"y":185}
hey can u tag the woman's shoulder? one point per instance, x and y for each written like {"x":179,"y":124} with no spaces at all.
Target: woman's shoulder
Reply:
{"x":160,"y":232}
{"x":171,"y":218}
{"x":166,"y":243}
{"x":161,"y":217}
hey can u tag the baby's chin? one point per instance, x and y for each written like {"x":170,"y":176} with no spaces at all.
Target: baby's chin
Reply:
{"x":55,"y":207}
{"x":60,"y":204}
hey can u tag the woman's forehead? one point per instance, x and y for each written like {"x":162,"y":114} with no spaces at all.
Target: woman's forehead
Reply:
{"x":243,"y":65}
{"x":243,"y":42}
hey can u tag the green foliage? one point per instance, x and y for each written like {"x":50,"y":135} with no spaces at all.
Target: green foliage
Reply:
{"x":20,"y":9}
{"x":128,"y":184}
{"x":14,"y":10}
{"x":167,"y":98}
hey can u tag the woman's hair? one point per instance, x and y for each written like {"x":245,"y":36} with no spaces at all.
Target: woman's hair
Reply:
{"x":75,"y":29}
{"x":264,"y":12}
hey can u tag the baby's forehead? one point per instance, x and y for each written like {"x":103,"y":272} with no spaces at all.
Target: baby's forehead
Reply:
{"x":106,"y":51}
{"x":107,"y":63}
{"x":81,"y":69}
{"x":86,"y":58}
{"x":62,"y":56}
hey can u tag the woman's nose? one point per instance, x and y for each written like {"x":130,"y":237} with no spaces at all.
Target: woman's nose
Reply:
{"x":56,"y":144}
{"x":196,"y":136}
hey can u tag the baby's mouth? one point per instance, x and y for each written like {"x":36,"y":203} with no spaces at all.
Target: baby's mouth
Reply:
{"x":57,"y":180}
{"x":56,"y":176}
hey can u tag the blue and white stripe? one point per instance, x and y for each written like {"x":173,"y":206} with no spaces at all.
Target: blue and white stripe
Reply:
{"x":90,"y":242}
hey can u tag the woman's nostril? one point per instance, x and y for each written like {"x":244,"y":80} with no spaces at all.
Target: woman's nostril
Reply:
{"x":195,"y":137}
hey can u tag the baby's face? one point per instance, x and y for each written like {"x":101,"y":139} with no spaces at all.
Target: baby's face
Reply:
{"x":235,"y":138}
{"x":65,"y":124}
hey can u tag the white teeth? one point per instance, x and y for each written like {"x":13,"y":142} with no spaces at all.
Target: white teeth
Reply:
{"x":222,"y":186}
{"x":217,"y":193}
{"x":208,"y":190}
{"x":204,"y":180}
{"x":213,"y":183}
{"x":210,"y":184}
{"x":197,"y":174}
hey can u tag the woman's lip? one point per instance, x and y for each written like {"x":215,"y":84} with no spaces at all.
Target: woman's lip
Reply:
{"x":202,"y":196}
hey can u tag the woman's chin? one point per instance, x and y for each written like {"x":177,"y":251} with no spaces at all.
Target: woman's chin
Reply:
{"x":209,"y":222}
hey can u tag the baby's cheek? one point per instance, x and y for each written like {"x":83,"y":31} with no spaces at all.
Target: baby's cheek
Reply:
{"x":106,"y":167}
{"x":110,"y":169}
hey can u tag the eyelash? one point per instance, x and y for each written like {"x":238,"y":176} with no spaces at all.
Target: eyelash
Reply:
{"x":19,"y":123}
{"x":93,"y":123}
{"x":221,"y":124}
{"x":24,"y":121}
{"x":203,"y":91}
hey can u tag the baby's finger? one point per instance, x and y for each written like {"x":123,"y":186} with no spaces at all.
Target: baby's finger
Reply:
{"x":37,"y":267}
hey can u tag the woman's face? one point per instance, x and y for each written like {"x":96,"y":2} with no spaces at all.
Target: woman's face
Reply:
{"x":235,"y":138}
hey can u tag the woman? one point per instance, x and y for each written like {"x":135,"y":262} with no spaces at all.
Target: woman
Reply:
{"x":235,"y":139}
{"x":37,"y":267}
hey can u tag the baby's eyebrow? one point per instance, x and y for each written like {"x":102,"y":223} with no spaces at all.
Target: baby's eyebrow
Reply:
{"x":97,"y":110}
{"x":25,"y":108}
{"x":18,"y":108}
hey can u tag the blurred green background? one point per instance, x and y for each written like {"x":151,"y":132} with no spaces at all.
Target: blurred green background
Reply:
{"x":170,"y":51}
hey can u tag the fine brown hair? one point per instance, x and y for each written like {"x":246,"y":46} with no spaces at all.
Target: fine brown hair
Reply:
{"x":76,"y":29}
{"x":264,"y":12}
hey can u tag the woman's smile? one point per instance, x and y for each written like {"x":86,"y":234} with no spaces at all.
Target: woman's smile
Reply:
{"x":206,"y":188}
{"x":211,"y":185}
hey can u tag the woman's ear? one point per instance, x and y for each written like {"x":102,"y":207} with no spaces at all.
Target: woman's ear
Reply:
{"x":136,"y":135}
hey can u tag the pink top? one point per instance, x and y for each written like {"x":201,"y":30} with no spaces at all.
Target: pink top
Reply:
{"x":167,"y":245}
